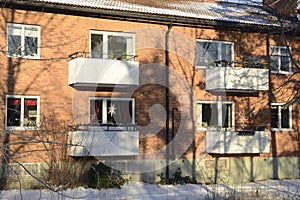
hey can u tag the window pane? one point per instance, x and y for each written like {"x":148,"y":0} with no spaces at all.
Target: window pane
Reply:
{"x":201,"y":53}
{"x":97,"y":46}
{"x":285,"y":118}
{"x":31,"y":46}
{"x":212,"y":54}
{"x":31,"y":41}
{"x":274,"y":117}
{"x":227,"y":115}
{"x":274,"y":63}
{"x":209,"y":115}
{"x":206,"y":54}
{"x":117,"y":47}
{"x":285,"y":60}
{"x":14,"y":45}
{"x":30,"y":112}
{"x":285,"y":63}
{"x":119,"y":112}
{"x":206,"y":115}
{"x":96,"y":111}
{"x":13,"y":112}
{"x":226,"y":53}
{"x":274,"y":58}
{"x":274,"y":51}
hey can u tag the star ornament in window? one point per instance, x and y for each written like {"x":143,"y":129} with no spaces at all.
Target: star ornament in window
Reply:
{"x":112,"y":109}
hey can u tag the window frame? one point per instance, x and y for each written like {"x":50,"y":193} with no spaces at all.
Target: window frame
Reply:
{"x":290,"y":109}
{"x":219,"y":49}
{"x":23,"y":27}
{"x":104,"y":107}
{"x":219,"y":118}
{"x":105,"y":41}
{"x":22,"y":127}
{"x":279,"y":71}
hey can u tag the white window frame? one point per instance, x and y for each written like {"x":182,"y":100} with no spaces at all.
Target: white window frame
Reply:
{"x":105,"y":41}
{"x":104,"y":107}
{"x":23,"y":26}
{"x":279,"y":71}
{"x":280,"y":105}
{"x":22,"y":127}
{"x":220,"y":115}
{"x":219,"y":43}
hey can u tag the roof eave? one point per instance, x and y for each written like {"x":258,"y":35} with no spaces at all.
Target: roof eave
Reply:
{"x":134,"y":16}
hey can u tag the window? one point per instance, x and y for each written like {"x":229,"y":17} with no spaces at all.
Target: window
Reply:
{"x":281,"y":116}
{"x":280,"y":59}
{"x":22,"y":111}
{"x":112,"y":45}
{"x":215,"y":115}
{"x":111,"y":111}
{"x":23,"y":40}
{"x":207,"y":52}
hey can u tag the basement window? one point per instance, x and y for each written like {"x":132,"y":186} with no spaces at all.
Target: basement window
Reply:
{"x":22,"y":112}
{"x":23,"y":41}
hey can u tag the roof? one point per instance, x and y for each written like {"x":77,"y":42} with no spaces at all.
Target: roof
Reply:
{"x":251,"y":14}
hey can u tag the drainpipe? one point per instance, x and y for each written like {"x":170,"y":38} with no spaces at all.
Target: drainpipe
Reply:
{"x":167,"y":98}
{"x":270,"y":100}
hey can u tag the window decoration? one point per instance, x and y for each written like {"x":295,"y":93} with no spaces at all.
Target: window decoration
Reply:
{"x":111,"y":111}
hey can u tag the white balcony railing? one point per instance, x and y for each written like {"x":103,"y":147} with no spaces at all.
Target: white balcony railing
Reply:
{"x":234,"y":142}
{"x":97,"y":141}
{"x":103,"y":72}
{"x":237,"y":79}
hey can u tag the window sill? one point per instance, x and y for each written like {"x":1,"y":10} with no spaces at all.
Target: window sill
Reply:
{"x":201,"y":67}
{"x":282,"y":129}
{"x":215,"y":129}
{"x":19,"y":128}
{"x":282,"y":72}
{"x":25,"y":57}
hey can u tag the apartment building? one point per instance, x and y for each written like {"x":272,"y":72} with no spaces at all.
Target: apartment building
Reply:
{"x":210,"y":87}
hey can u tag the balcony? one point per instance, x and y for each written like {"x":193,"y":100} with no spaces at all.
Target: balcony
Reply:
{"x":237,"y":79}
{"x":104,"y":141}
{"x":237,"y":142}
{"x":85,"y":71}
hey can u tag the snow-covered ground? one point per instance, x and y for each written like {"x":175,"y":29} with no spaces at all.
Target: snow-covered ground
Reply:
{"x":271,"y":189}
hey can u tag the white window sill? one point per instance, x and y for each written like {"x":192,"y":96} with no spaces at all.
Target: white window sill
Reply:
{"x":282,"y":72}
{"x":282,"y":129}
{"x":215,"y":129}
{"x":201,"y":67}
{"x":25,"y":57}
{"x":19,"y":128}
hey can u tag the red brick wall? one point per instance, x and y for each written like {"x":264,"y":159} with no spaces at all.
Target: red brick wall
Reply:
{"x":62,"y":35}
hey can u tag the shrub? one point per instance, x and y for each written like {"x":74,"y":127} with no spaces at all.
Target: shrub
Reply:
{"x":178,"y":178}
{"x":101,"y":177}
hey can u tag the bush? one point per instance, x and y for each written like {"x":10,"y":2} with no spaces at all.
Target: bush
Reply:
{"x":178,"y":178}
{"x":63,"y":175}
{"x":101,"y":177}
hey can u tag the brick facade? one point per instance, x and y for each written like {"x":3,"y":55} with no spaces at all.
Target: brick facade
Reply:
{"x":62,"y":106}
